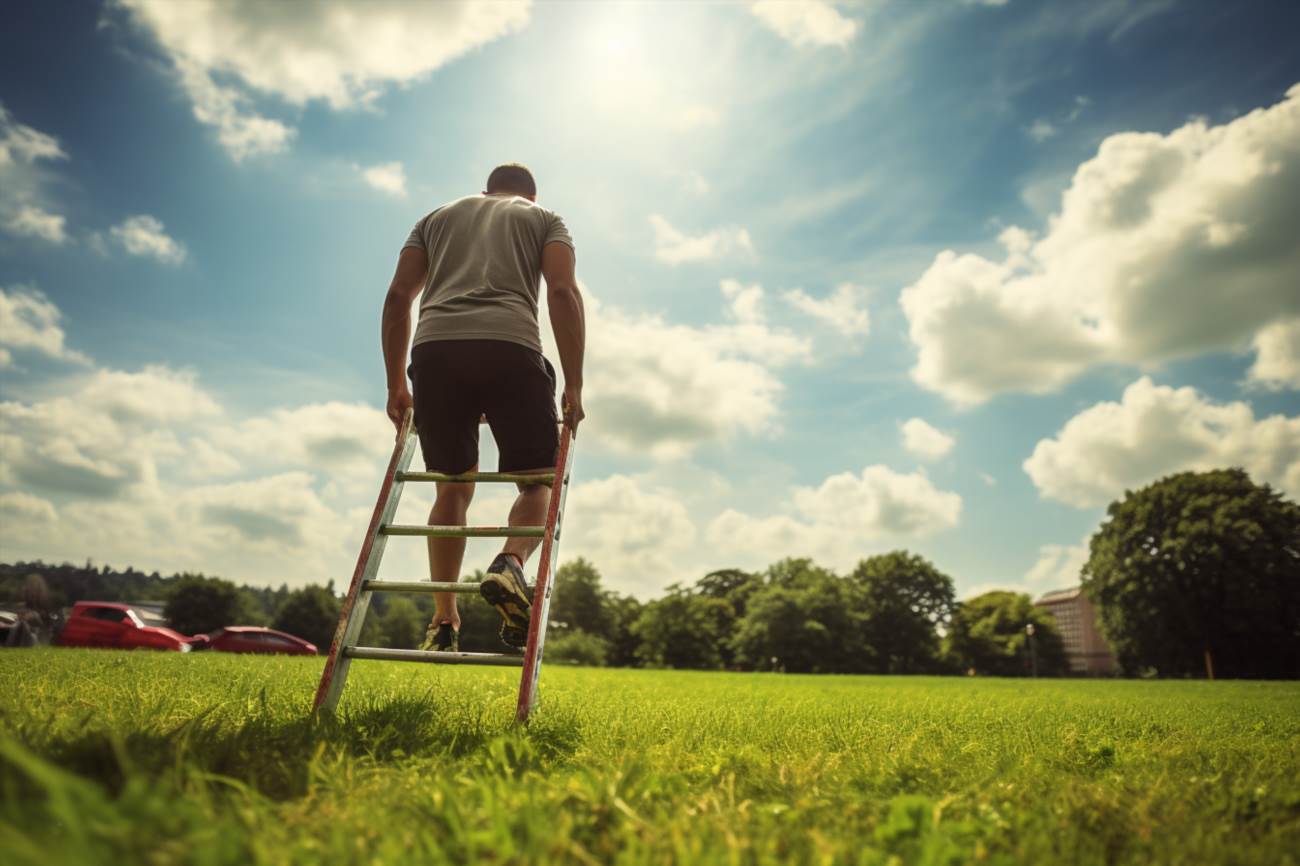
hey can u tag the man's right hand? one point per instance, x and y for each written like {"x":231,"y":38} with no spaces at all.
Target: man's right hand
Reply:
{"x":571,"y":404}
{"x":399,"y":401}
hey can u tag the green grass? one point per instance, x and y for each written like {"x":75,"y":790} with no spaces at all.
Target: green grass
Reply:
{"x":110,"y":757}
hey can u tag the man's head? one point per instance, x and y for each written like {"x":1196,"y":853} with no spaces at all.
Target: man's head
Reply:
{"x":512,"y":179}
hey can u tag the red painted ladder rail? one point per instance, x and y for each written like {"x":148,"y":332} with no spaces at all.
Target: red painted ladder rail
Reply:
{"x":344,"y":647}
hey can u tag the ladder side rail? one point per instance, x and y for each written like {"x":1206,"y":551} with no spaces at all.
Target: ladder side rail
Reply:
{"x":545,"y":578}
{"x":353,"y":612}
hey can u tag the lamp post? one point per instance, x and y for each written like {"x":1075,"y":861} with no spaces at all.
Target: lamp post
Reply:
{"x":1033,"y":649}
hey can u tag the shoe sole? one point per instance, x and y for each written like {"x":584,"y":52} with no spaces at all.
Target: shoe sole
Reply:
{"x":513,"y":608}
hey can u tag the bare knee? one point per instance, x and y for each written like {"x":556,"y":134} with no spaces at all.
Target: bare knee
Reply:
{"x":453,"y":498}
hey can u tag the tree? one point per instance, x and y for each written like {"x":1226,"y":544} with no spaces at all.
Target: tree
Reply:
{"x":809,"y":625}
{"x":904,"y":600}
{"x":1200,"y":571}
{"x":199,"y":604}
{"x":681,"y":630}
{"x":580,"y":602}
{"x":623,"y":646}
{"x":311,"y":613}
{"x":400,"y":625}
{"x":987,"y":634}
{"x":576,"y":646}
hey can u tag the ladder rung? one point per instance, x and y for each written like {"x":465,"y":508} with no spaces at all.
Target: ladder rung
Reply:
{"x":505,"y":477}
{"x":466,"y":531}
{"x":417,"y":586}
{"x":406,"y":655}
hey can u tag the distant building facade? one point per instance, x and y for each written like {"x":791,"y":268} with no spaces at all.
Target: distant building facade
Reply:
{"x":1085,"y":649}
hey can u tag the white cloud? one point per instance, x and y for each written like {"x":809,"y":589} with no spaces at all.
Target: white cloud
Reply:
{"x":1165,"y":246}
{"x":22,"y":209}
{"x":845,"y":310}
{"x":36,"y":222}
{"x":1041,"y":130}
{"x":105,"y":468}
{"x":806,"y":22}
{"x":839,"y":520}
{"x":327,"y":50}
{"x":1154,"y":431}
{"x":1058,"y":566}
{"x":242,"y":132}
{"x":19,"y":143}
{"x":388,"y":177}
{"x":144,"y":235}
{"x":331,"y":437}
{"x":663,"y":389}
{"x":746,"y":301}
{"x":1277,"y":356}
{"x":30,"y":322}
{"x":674,"y":247}
{"x":630,"y":529}
{"x":924,"y":441}
{"x":25,"y":507}
{"x":103,"y":439}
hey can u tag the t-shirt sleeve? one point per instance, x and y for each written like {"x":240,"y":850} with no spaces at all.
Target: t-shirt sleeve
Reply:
{"x":556,"y":230}
{"x":416,"y":237}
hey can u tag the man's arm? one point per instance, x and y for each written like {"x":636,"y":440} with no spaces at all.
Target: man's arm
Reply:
{"x":568,"y":321}
{"x":412,"y":266}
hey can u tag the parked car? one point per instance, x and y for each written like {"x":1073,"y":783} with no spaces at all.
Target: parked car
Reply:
{"x":108,"y":624}
{"x":255,"y":639}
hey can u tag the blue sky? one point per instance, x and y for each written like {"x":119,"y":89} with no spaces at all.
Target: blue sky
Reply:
{"x":947,"y":276}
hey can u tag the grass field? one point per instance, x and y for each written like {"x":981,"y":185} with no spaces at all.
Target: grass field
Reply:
{"x":109,"y":757}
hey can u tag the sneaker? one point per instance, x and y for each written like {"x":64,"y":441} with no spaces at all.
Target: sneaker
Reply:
{"x":441,"y":638}
{"x":504,"y":588}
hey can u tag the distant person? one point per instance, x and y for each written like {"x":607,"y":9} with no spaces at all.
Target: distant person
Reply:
{"x":475,"y":264}
{"x":35,"y":623}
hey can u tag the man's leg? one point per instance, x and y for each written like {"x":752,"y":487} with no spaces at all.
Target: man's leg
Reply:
{"x":446,"y":554}
{"x":529,"y":510}
{"x":520,"y":409}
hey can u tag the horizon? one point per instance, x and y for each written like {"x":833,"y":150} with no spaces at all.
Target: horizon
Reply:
{"x":945,"y":277}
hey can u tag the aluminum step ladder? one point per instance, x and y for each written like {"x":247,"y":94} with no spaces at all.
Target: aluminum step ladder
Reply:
{"x":344,"y":647}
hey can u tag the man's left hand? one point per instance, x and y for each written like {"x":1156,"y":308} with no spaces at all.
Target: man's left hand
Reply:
{"x":399,"y":401}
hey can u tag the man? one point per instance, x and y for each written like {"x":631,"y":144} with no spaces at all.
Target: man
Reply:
{"x":477,"y":353}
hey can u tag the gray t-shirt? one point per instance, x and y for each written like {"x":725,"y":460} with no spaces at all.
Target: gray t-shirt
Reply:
{"x":485,"y":263}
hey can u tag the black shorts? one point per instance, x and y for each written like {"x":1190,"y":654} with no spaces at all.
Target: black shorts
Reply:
{"x":456,"y":381}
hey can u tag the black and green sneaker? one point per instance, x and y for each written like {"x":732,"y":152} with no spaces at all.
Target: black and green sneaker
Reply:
{"x":441,"y":638}
{"x":504,"y":588}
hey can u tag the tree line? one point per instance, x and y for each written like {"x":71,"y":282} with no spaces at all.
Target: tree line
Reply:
{"x":894,"y":613}
{"x":1195,"y":574}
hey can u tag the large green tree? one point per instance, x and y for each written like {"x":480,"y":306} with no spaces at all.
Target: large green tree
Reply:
{"x":813,"y":624}
{"x":987,"y":634}
{"x":682,"y":630}
{"x":622,"y":650}
{"x":905,"y":600}
{"x":197,"y":604}
{"x":735,"y":588}
{"x":311,"y":613}
{"x":1200,"y":572}
{"x":581,"y":602}
{"x":400,"y":625}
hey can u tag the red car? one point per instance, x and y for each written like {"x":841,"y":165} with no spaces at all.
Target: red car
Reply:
{"x":255,"y":639}
{"x":107,"y":624}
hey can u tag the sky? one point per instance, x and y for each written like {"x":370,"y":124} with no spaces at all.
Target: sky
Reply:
{"x":948,"y":276}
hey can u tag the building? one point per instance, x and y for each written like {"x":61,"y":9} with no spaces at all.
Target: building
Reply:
{"x":1085,"y":649}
